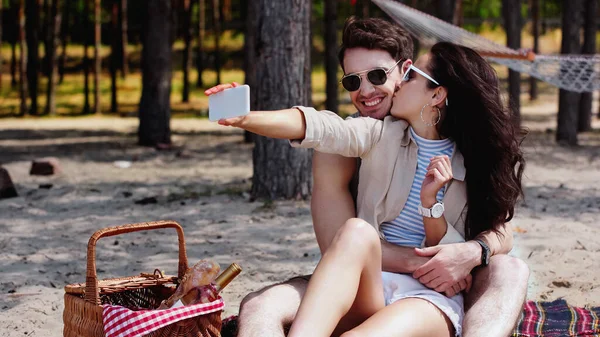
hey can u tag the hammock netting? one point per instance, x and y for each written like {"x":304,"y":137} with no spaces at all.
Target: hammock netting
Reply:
{"x":579,"y":73}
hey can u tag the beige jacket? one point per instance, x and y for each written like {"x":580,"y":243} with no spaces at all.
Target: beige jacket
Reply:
{"x":389,"y":163}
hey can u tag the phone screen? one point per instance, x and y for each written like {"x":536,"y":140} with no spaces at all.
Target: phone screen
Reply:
{"x":229,"y":103}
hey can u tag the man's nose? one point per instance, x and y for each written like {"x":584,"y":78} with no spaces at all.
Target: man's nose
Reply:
{"x":366,"y":87}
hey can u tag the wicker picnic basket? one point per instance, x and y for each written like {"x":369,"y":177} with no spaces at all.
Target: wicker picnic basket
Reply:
{"x":82,"y":315}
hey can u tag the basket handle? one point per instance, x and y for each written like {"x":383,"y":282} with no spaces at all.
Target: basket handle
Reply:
{"x":92,"y":292}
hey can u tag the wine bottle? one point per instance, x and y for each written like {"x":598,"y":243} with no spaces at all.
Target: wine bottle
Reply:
{"x":210,"y":292}
{"x":202,"y":273}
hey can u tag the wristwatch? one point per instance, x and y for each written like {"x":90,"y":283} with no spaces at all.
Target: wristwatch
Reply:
{"x":485,"y":252}
{"x":436,"y":211}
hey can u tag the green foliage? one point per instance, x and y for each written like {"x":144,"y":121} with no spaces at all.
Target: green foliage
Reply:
{"x":550,"y":8}
{"x":484,"y":9}
{"x":318,"y":10}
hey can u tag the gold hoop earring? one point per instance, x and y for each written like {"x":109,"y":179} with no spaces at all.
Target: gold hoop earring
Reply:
{"x":439,"y":115}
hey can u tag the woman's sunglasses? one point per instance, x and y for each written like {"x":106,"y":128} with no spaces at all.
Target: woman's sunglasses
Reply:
{"x":376,"y":76}
{"x":406,"y":76}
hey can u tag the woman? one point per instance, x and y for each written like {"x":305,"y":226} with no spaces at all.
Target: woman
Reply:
{"x":448,"y":143}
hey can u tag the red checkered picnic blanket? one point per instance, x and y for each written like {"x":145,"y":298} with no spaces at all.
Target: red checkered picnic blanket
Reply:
{"x":557,"y":319}
{"x":123,"y":322}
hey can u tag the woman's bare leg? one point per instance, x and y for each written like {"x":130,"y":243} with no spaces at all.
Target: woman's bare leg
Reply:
{"x":348,"y":277}
{"x":411,"y":317}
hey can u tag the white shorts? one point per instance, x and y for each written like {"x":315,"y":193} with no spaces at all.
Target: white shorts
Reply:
{"x":400,"y":286}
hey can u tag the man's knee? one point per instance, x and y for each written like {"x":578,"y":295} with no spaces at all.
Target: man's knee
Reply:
{"x":277,"y":300}
{"x":505,"y":276}
{"x":254,"y":300}
{"x":503,"y":267}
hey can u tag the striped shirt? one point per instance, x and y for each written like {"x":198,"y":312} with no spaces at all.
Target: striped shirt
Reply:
{"x":408,"y":229}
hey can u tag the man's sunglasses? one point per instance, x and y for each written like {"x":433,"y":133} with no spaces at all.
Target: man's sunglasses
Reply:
{"x":376,"y":76}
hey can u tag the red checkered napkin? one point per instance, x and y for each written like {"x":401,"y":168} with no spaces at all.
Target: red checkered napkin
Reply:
{"x":122,"y":322}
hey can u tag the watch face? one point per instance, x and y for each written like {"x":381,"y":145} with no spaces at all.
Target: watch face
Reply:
{"x":437,"y":210}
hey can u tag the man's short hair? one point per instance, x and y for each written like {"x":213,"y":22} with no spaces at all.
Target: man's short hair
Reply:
{"x":376,"y":33}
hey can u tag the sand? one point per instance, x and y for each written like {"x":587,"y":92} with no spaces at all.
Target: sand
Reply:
{"x":204,"y":184}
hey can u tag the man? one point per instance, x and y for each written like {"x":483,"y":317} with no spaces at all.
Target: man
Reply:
{"x":494,"y":301}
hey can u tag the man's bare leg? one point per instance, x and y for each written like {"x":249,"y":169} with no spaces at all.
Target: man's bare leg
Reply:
{"x":271,"y":310}
{"x":496,"y":299}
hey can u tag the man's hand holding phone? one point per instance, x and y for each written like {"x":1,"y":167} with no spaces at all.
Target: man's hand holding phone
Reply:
{"x":228,"y":103}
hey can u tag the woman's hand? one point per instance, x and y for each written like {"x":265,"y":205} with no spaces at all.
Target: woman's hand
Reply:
{"x":439,"y":173}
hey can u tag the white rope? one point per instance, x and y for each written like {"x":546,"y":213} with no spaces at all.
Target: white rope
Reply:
{"x":580,"y":73}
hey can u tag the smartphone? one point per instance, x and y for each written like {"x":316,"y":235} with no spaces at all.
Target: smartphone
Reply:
{"x":233,"y":102}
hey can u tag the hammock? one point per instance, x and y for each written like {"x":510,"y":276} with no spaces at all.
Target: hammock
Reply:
{"x":579,"y":73}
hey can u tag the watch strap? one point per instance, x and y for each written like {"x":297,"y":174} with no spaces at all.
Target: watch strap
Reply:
{"x":485,"y":252}
{"x":426,"y":212}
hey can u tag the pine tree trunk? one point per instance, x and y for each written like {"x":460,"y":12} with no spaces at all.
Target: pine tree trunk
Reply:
{"x":535,"y":31}
{"x":589,"y":47}
{"x":217,"y":32}
{"x":32,"y":23}
{"x":45,"y":31}
{"x":361,"y":8}
{"x":187,"y":52}
{"x":14,"y":40}
{"x":1,"y":15}
{"x":282,"y":80}
{"x":226,"y":10}
{"x":445,"y":10}
{"x":458,"y":18}
{"x":568,"y":101}
{"x":201,"y":33}
{"x":54,"y":31}
{"x":86,"y":59}
{"x":155,"y":104}
{"x":114,"y":55}
{"x":124,"y":39}
{"x":331,"y":60}
{"x":513,"y":23}
{"x":13,"y":64}
{"x":97,"y":59}
{"x":249,"y":52}
{"x":22,"y":59}
{"x":365,"y":8}
{"x":66,"y":26}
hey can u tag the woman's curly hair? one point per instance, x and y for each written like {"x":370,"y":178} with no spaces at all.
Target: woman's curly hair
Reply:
{"x":485,"y":132}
